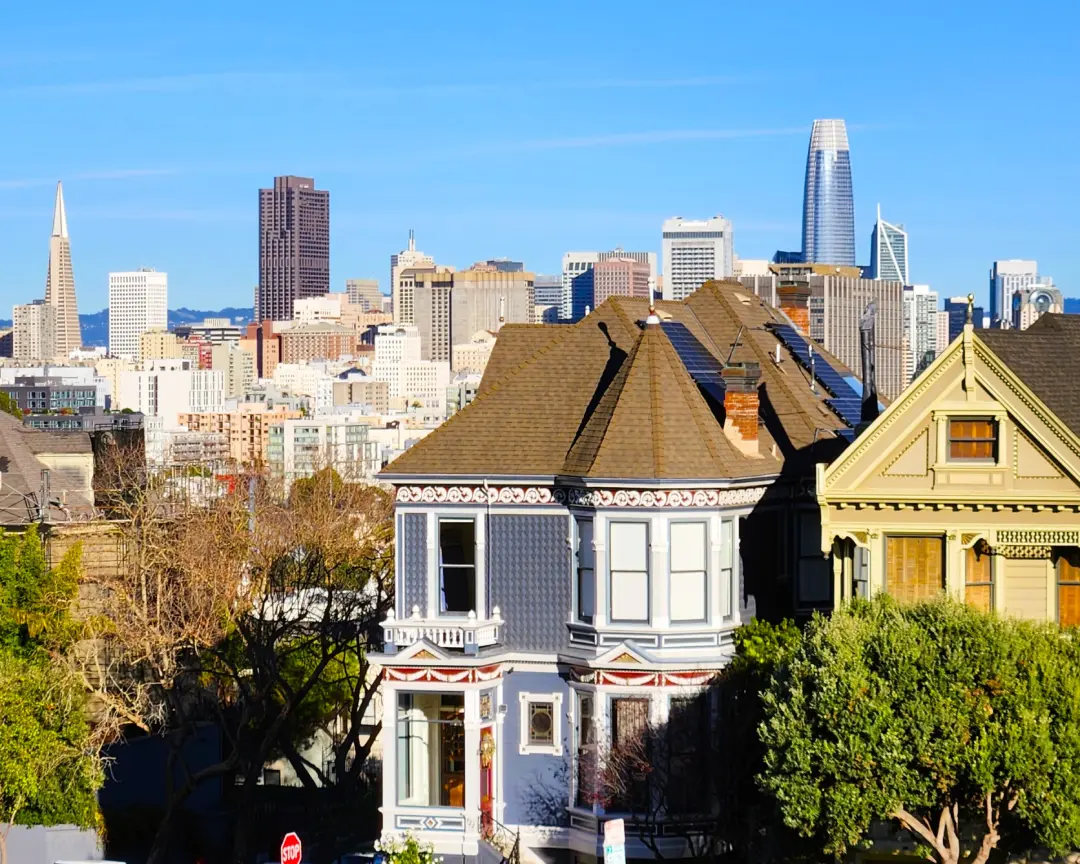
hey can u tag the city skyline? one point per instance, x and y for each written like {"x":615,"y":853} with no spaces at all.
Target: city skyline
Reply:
{"x":607,"y":179}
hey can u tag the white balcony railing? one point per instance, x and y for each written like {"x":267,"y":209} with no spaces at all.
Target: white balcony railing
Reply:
{"x":467,"y":634}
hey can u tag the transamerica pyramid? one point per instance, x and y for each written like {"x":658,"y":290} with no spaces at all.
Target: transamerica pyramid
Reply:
{"x":60,"y":282}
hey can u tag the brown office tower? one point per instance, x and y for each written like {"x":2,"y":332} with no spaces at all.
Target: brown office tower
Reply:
{"x":294,"y":246}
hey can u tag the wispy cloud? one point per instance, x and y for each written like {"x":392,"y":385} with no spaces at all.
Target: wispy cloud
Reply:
{"x":618,"y":139}
{"x":158,"y":84}
{"x":111,"y":174}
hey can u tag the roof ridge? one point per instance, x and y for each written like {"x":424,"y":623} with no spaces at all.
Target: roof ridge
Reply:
{"x":655,"y":408}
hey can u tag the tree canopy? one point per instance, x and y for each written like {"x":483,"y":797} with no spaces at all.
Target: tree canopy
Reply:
{"x":959,"y":727}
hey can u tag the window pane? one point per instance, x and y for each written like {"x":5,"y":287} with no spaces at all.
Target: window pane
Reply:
{"x":688,"y":550}
{"x":688,"y":596}
{"x":541,"y":723}
{"x":914,"y":567}
{"x":431,"y":749}
{"x":457,"y":542}
{"x":585,"y":542}
{"x":978,"y":590}
{"x":1068,"y":571}
{"x":629,"y":545}
{"x":586,"y":594}
{"x":629,"y":596}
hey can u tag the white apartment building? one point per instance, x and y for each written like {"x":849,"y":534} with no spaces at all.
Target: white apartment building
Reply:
{"x":920,"y":328}
{"x":237,"y":365}
{"x":33,"y":332}
{"x":1007,"y":278}
{"x":1031,"y":303}
{"x":473,"y":356}
{"x":425,"y":382}
{"x":395,"y":345}
{"x":299,"y":448}
{"x":170,"y":392}
{"x":695,"y":251}
{"x":138,"y":301}
{"x":941,"y":328}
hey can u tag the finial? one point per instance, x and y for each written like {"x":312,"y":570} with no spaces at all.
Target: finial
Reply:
{"x":970,"y":309}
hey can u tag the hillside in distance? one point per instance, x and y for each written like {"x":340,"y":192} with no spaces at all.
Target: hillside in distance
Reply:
{"x":95,"y":325}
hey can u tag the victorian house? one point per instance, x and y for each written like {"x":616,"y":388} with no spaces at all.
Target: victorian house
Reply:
{"x":970,"y":481}
{"x":576,"y":548}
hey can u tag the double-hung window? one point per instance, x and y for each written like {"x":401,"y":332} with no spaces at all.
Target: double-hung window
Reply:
{"x":688,"y":554}
{"x":586,"y":573}
{"x":457,"y":566}
{"x":628,"y":552}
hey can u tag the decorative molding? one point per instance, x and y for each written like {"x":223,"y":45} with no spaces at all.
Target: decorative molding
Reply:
{"x":1030,"y":552}
{"x":924,"y":434}
{"x":893,"y":414}
{"x":538,"y":495}
{"x":1034,"y":536}
{"x":627,"y":678}
{"x":555,"y":747}
{"x":412,"y":675}
{"x":432,"y":822}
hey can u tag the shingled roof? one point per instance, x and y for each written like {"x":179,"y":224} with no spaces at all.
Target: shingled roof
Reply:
{"x":609,"y":397}
{"x":1046,"y":357}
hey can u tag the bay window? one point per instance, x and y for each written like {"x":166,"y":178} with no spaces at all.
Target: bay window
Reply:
{"x":586,"y":573}
{"x":688,"y":554}
{"x":431,"y":749}
{"x":628,"y":552}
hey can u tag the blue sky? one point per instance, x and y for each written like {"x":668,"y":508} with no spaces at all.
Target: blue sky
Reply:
{"x":527,"y":129}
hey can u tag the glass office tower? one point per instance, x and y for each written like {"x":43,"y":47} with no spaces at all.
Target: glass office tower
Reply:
{"x":828,"y":203}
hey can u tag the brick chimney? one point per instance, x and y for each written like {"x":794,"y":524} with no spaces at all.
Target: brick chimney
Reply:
{"x":795,"y":303}
{"x":741,"y":404}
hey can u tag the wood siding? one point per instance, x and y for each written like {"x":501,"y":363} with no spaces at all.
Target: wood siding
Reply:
{"x":1025,"y":590}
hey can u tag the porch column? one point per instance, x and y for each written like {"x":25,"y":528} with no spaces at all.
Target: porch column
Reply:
{"x":389,"y":756}
{"x":472,"y":772}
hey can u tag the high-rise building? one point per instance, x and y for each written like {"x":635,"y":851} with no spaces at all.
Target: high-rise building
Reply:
{"x":1031,"y":303}
{"x":578,"y":282}
{"x":695,"y":251}
{"x":294,"y":246}
{"x":888,"y":251}
{"x":60,"y":282}
{"x":138,"y":301}
{"x":828,"y":233}
{"x":34,"y":332}
{"x":401,"y":294}
{"x":621,"y":277}
{"x":486,"y":300}
{"x":941,"y":327}
{"x":920,"y":329}
{"x":430,"y":290}
{"x":547,"y":298}
{"x":502,"y":265}
{"x":365,"y":294}
{"x":1006,"y":278}
{"x":956,"y":310}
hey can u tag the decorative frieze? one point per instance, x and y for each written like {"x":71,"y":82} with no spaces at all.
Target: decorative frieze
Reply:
{"x":539,"y":495}
{"x":413,"y":675}
{"x":643,"y":678}
{"x":1027,"y":552}
{"x":1039,"y":537}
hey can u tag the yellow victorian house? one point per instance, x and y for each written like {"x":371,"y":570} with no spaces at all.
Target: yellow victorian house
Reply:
{"x":970,"y":481}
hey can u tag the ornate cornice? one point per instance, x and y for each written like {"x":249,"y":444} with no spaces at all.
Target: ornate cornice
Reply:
{"x":539,"y":495}
{"x":453,"y":675}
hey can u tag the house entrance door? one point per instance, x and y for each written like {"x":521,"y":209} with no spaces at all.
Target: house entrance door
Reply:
{"x":487,"y":781}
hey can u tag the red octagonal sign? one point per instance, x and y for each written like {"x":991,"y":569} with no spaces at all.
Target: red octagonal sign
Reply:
{"x":291,"y":850}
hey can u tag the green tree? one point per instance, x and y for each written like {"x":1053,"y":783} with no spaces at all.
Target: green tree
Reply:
{"x":10,"y":406}
{"x":49,"y":768}
{"x":35,"y":600}
{"x":958,"y":727}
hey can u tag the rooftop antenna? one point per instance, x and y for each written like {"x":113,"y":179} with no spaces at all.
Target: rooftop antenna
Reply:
{"x":736,"y":343}
{"x":813,"y":366}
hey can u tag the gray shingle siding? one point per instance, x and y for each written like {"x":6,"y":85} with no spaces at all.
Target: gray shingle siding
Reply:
{"x":530,"y":580}
{"x":413,"y":564}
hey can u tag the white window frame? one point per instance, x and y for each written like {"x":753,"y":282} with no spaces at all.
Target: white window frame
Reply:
{"x":555,"y":748}
{"x":706,"y":587}
{"x":640,"y":622}
{"x":478,"y":586}
{"x":579,"y":617}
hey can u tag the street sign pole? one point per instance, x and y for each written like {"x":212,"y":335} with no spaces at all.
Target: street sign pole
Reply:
{"x":615,"y":842}
{"x":292,"y":852}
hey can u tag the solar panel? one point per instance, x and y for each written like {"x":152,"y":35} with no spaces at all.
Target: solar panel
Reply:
{"x":702,"y":366}
{"x":845,"y":402}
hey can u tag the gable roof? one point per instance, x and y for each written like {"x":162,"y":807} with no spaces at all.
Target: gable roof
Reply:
{"x":20,"y":468}
{"x":1046,"y":357}
{"x":609,"y":398}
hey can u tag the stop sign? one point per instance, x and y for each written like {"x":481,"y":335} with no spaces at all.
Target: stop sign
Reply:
{"x":291,"y":850}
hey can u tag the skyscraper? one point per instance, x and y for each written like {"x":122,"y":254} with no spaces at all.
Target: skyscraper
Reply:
{"x":138,"y":302}
{"x":34,"y":332}
{"x":577,"y":278}
{"x":888,"y":251}
{"x":828,"y":203}
{"x":1006,"y":279}
{"x":956,"y":310}
{"x":294,"y":246}
{"x":695,"y":251}
{"x":60,"y":282}
{"x":402,"y":294}
{"x":920,"y":329}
